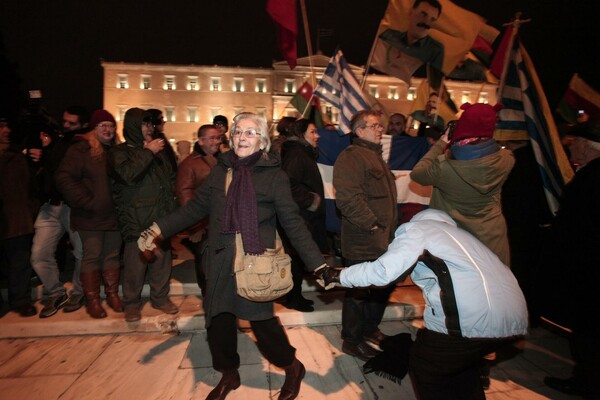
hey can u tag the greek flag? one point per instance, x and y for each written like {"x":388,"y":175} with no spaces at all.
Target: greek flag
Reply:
{"x":341,"y":89}
{"x":526,"y":114}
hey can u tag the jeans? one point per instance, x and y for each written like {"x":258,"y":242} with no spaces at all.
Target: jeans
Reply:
{"x":50,"y":225}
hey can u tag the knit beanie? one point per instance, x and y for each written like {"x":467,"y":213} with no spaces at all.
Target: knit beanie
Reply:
{"x":477,"y":121}
{"x":100,"y":116}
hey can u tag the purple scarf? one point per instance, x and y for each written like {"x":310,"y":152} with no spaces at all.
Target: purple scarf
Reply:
{"x":241,"y":209}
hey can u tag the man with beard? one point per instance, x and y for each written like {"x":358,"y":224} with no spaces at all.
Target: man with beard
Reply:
{"x":53,"y":221}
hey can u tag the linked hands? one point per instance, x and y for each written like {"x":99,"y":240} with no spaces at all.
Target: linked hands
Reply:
{"x":327,"y":276}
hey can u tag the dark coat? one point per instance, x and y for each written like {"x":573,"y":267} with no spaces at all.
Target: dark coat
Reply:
{"x":83,"y":182}
{"x":143,"y":184}
{"x":298,"y":160}
{"x":569,"y":270}
{"x":366,"y":195}
{"x":16,"y":206}
{"x":275,"y":203}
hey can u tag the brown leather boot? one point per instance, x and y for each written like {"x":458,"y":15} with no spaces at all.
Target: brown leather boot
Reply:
{"x":111,"y":289}
{"x":229,"y":381}
{"x":90,"y":280}
{"x":294,"y":373}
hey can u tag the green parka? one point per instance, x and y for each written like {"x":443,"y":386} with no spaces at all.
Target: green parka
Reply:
{"x":143,"y":183}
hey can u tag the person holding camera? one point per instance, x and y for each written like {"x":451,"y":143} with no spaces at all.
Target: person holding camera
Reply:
{"x":143,"y":182}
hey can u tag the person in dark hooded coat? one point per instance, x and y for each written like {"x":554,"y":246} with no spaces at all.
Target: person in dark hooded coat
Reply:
{"x":143,"y":182}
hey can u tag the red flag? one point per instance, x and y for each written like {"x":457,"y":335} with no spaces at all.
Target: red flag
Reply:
{"x":284,"y":14}
{"x":497,"y":65}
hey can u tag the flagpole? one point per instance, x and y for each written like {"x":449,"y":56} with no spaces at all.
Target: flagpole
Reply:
{"x":368,"y":66}
{"x":516,"y":23}
{"x":308,"y":43}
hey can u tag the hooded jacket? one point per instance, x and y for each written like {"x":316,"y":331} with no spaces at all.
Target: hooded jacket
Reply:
{"x":143,"y":183}
{"x":475,"y":283}
{"x":470,"y":192}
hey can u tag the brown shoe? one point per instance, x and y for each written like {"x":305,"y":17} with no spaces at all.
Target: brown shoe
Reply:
{"x":229,"y":381}
{"x":114,"y":301}
{"x":132,"y":313}
{"x":94,"y":308}
{"x":167,"y":308}
{"x":362,"y":350}
{"x":293,"y":379}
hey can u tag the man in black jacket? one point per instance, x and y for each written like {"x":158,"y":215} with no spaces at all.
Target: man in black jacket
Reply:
{"x":53,"y":221}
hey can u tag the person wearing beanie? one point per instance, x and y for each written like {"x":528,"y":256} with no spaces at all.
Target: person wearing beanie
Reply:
{"x":467,"y":172}
{"x":83,"y":179}
{"x":222,"y":124}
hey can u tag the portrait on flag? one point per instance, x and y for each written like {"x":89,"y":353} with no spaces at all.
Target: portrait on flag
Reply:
{"x":435,"y":32}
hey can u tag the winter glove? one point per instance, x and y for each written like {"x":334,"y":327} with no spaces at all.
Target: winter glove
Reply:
{"x":327,"y":276}
{"x":148,"y":243}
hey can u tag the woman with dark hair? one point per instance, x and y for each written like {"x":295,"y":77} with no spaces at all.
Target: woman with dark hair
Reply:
{"x":284,"y":131}
{"x":258,"y":196}
{"x":298,"y":159}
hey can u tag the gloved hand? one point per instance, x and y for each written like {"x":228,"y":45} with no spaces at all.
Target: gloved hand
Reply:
{"x":327,"y":276}
{"x":147,"y":239}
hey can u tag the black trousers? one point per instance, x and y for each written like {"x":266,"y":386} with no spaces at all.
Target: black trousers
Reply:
{"x":362,"y":310}
{"x":444,"y":367}
{"x":271,"y":340}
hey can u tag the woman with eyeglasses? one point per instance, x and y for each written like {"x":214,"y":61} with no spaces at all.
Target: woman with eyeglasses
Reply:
{"x":258,"y":197}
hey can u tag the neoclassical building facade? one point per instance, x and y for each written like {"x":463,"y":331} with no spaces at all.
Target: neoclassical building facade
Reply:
{"x":191,"y":95}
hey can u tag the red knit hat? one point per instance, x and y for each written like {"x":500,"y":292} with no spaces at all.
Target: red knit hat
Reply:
{"x":100,"y":116}
{"x":478,"y":120}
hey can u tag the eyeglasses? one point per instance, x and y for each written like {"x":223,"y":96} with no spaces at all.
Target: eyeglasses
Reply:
{"x":375,"y":126}
{"x":106,"y":125}
{"x":249,"y":133}
{"x":219,"y":124}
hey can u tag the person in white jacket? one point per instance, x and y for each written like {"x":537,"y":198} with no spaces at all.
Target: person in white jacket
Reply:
{"x":473,"y":301}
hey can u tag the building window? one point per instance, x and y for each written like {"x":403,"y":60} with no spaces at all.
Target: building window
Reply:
{"x":237,"y":110}
{"x":192,"y":114}
{"x":373,"y":91}
{"x":215,"y":84}
{"x":261,"y":111}
{"x":412,"y":94}
{"x":121,"y":110}
{"x":290,"y":86}
{"x":465,"y":98}
{"x":214,"y":111}
{"x":192,"y":83}
{"x":393,"y":93}
{"x":145,"y":83}
{"x":169,"y":82}
{"x":451,"y":94}
{"x":170,"y":114}
{"x":261,"y":85}
{"x":122,"y":82}
{"x":238,"y":84}
{"x":483,"y":98}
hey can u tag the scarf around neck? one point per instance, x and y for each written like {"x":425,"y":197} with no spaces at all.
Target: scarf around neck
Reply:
{"x":241,"y":209}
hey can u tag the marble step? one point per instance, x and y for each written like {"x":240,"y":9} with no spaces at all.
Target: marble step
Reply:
{"x":406,"y":303}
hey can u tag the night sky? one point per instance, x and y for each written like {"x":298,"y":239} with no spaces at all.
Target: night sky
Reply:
{"x":56,"y":46}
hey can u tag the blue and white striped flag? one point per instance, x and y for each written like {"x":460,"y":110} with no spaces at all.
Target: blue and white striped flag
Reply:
{"x":526,"y":114}
{"x":341,"y":89}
